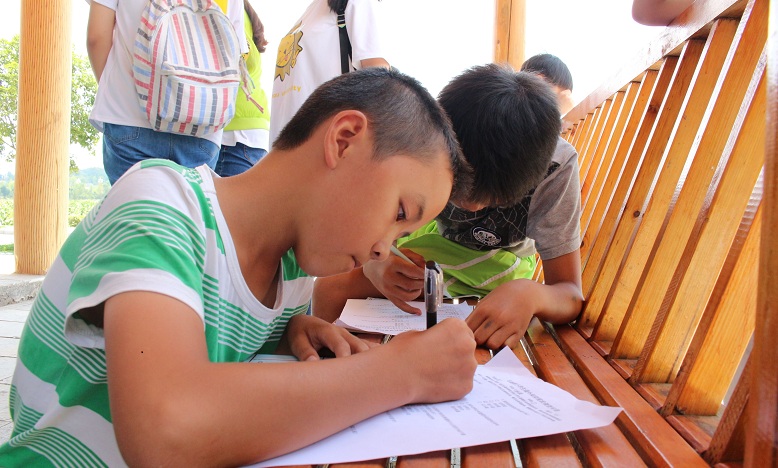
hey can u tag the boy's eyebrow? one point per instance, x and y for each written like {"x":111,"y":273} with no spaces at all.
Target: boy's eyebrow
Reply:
{"x":420,"y":214}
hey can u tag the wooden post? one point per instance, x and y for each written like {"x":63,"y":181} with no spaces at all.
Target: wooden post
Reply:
{"x":762,"y":433}
{"x":43,"y":133}
{"x":510,"y":32}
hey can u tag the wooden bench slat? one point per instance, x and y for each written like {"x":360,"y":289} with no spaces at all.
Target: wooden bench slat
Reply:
{"x":580,"y":130}
{"x":599,"y":155}
{"x":649,"y":433}
{"x":588,"y":156}
{"x":726,"y":327}
{"x":437,"y":459}
{"x":613,"y":161}
{"x":735,"y":78}
{"x":499,"y":455}
{"x":728,"y":440}
{"x":714,"y":55}
{"x":714,"y":231}
{"x":600,"y":446}
{"x":608,"y":250}
{"x":555,"y":450}
{"x":693,"y":429}
{"x":621,"y":180}
{"x":381,"y":463}
{"x":617,"y":307}
{"x":586,"y":137}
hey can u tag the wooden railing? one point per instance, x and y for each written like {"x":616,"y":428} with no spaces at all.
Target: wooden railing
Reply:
{"x":672,"y":170}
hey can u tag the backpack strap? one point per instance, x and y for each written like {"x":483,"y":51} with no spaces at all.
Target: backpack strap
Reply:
{"x":345,"y":44}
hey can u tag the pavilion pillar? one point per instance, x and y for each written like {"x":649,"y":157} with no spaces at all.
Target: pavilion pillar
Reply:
{"x":43,"y":133}
{"x":510,"y":32}
{"x":762,"y":421}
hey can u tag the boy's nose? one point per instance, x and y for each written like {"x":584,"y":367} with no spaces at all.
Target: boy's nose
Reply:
{"x":380,"y":251}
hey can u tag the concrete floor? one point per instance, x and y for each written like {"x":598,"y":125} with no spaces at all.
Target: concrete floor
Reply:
{"x":12,"y":317}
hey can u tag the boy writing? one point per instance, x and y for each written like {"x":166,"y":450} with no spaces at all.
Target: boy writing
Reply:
{"x":526,"y":199}
{"x":132,"y":351}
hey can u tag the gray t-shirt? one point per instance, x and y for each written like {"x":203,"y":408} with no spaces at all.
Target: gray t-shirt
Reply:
{"x":547,"y":220}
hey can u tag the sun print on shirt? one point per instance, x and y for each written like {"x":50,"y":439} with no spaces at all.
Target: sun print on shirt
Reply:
{"x":288,"y":49}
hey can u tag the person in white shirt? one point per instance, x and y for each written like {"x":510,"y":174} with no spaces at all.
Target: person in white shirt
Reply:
{"x":127,"y":134}
{"x":310,"y":54}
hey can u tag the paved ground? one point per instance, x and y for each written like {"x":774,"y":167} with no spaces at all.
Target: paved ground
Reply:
{"x":12,"y":319}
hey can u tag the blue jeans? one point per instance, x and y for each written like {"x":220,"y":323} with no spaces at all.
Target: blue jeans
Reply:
{"x":124,"y":146}
{"x":234,"y":160}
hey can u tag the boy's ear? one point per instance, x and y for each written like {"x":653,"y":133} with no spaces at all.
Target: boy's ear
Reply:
{"x":347,"y":132}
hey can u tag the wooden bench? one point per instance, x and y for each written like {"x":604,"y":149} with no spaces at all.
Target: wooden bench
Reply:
{"x":676,"y":186}
{"x":672,"y":154}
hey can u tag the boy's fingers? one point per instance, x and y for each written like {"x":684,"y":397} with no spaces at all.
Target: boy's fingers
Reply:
{"x":476,"y":318}
{"x":513,"y":341}
{"x":342,"y":343}
{"x":358,"y":345}
{"x":499,"y":338}
{"x":304,"y":351}
{"x":414,"y":273}
{"x":405,"y":307}
{"x":407,"y":282}
{"x":416,"y":258}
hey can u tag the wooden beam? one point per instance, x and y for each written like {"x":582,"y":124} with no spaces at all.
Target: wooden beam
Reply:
{"x":509,"y":32}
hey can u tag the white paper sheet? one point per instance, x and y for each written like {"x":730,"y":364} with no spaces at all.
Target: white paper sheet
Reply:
{"x":381,"y":316}
{"x":507,"y":402}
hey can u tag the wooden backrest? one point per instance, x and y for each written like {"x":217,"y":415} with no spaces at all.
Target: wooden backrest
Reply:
{"x":672,"y":170}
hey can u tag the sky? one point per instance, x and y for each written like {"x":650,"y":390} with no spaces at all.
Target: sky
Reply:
{"x":435,"y":40}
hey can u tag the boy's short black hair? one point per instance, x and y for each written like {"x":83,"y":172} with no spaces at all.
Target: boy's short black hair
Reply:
{"x":404,"y":118}
{"x":507,"y":123}
{"x":552,"y":68}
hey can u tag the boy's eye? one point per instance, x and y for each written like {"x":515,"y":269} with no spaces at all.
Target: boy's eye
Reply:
{"x":401,"y":216}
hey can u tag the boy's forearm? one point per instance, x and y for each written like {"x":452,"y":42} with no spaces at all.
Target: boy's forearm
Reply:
{"x":165,"y":393}
{"x":99,"y":37}
{"x":558,"y":303}
{"x":658,"y":12}
{"x":331,"y":293}
{"x":322,"y":397}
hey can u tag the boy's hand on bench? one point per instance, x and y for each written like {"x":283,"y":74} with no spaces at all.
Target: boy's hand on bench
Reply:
{"x":501,"y":318}
{"x":397,"y":279}
{"x":440,"y":360}
{"x":307,"y":335}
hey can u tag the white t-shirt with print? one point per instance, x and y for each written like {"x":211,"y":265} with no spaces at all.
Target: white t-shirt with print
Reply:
{"x":309,"y":54}
{"x":117,"y":99}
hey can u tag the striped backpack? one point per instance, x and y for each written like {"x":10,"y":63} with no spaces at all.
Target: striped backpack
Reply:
{"x":187,"y":66}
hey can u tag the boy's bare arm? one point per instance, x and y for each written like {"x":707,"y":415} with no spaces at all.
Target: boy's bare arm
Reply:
{"x":374,"y":62}
{"x":171,"y":405}
{"x":394,"y":278}
{"x":330,"y":293}
{"x":502,"y":317}
{"x":658,"y":12}
{"x":99,"y":36}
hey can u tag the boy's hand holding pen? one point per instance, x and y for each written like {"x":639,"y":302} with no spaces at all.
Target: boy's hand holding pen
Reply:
{"x":400,"y":278}
{"x":433,"y":287}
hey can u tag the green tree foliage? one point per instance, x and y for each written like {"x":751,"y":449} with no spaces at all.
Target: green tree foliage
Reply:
{"x":82,"y":98}
{"x":9,"y":80}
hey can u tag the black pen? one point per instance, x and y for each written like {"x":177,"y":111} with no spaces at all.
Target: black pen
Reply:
{"x":433,"y":291}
